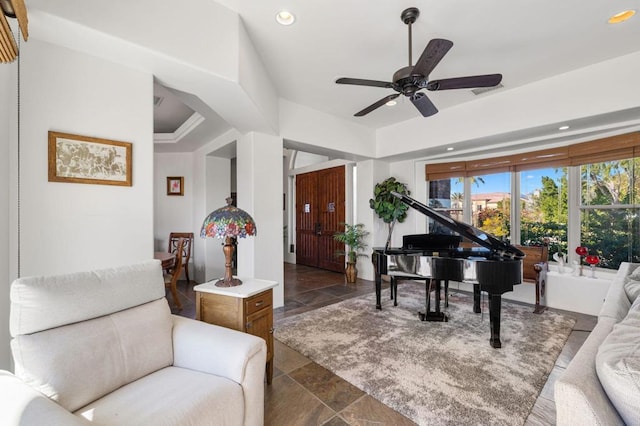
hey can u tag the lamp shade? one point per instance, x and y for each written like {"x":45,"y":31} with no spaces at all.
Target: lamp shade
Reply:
{"x":228,"y":221}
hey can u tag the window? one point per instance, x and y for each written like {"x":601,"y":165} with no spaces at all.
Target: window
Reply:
{"x":609,"y":211}
{"x":585,"y":194}
{"x":491,"y":204}
{"x":544,"y":208}
{"x":446,"y":196}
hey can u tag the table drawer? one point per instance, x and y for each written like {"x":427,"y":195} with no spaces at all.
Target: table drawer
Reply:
{"x":257,"y":302}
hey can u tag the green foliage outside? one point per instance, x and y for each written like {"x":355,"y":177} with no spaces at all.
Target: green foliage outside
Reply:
{"x":612,"y":234}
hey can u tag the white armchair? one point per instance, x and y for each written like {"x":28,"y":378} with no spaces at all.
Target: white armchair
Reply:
{"x":102,"y":347}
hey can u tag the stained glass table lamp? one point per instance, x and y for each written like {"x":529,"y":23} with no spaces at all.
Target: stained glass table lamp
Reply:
{"x":228,"y":222}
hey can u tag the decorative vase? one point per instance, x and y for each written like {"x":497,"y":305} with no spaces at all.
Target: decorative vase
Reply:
{"x":351,"y":272}
{"x":592,"y":260}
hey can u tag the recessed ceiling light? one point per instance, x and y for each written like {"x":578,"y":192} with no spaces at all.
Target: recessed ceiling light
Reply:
{"x":622,"y":16}
{"x":285,"y":17}
{"x":391,"y":103}
{"x":563,"y":127}
{"x":450,"y":148}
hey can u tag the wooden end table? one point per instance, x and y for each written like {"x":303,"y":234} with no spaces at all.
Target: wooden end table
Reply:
{"x":247,"y":308}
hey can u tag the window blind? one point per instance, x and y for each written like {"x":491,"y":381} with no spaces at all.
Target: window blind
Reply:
{"x":606,"y":149}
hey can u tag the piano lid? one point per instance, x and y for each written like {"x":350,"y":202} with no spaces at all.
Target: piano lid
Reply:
{"x":497,"y":247}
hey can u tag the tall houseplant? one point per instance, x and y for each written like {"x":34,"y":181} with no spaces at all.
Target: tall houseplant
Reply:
{"x":389,"y":208}
{"x":353,"y":239}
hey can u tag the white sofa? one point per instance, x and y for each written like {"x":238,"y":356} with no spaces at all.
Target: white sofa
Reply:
{"x":102,"y":347}
{"x":601,"y":385}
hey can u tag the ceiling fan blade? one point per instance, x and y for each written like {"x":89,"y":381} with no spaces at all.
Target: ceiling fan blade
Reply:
{"x":362,"y":82}
{"x":424,"y":104}
{"x":488,"y":80}
{"x":376,"y":105}
{"x":432,"y":55}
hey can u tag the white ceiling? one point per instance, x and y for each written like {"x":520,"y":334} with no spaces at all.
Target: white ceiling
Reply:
{"x":525,"y":41}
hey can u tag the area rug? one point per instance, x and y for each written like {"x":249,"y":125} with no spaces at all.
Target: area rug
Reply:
{"x":435,"y":373}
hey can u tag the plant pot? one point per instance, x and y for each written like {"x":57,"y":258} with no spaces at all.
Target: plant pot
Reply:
{"x":351,"y":272}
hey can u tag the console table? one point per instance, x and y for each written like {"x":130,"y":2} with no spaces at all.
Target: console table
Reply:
{"x":247,"y":307}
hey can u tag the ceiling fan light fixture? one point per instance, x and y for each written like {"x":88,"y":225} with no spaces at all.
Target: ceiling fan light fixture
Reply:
{"x":622,"y":16}
{"x":285,"y":17}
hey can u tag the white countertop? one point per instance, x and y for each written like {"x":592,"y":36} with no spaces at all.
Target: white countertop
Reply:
{"x":248,"y":288}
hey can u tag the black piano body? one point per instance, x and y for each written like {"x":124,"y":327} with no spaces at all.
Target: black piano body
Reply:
{"x":493,"y":267}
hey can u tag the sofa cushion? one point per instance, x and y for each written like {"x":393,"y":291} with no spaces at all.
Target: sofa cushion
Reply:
{"x":632,"y":288}
{"x":79,"y":363}
{"x":40,"y":303}
{"x":616,"y":303}
{"x":578,"y":394}
{"x":171,"y":396}
{"x":634,"y":273}
{"x":618,"y":365}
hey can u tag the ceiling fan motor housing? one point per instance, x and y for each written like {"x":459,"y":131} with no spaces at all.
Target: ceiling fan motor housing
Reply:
{"x":407,"y":83}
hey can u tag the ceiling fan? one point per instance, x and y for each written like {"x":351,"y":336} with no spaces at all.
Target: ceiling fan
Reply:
{"x":409,"y":80}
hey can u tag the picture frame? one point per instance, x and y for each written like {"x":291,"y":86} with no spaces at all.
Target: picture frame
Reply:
{"x":89,"y":160}
{"x":175,"y":185}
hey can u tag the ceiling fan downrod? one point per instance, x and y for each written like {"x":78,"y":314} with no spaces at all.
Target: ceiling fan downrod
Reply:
{"x":409,"y":16}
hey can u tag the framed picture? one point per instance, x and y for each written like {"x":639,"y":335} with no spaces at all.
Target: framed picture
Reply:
{"x":83,"y":159}
{"x":175,"y":185}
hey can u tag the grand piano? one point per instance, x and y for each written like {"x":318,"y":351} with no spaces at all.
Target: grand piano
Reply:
{"x":491,"y":265}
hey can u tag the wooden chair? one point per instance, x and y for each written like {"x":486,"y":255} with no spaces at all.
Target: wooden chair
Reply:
{"x":173,"y":273}
{"x":186,"y":250}
{"x":534,"y":270}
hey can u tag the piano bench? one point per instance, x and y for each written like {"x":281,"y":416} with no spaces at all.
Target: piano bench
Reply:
{"x":393,"y":288}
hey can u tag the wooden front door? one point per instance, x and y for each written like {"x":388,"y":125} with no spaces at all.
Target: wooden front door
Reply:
{"x":320,"y":209}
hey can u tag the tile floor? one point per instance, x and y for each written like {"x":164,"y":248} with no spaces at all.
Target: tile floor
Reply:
{"x":304,"y":393}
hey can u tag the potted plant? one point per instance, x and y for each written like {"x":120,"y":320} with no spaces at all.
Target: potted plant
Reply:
{"x":353,"y":239}
{"x":389,"y":208}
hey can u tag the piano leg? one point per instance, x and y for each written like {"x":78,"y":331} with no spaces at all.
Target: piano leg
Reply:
{"x":476,"y":298}
{"x":394,"y":290}
{"x":495,"y":306}
{"x":378,"y":290}
{"x":446,"y":293}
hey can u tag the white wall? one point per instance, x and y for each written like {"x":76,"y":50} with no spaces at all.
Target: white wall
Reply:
{"x":370,"y":172}
{"x":218,"y":188}
{"x":172,"y":213}
{"x":303,"y":124}
{"x":7,"y":103}
{"x":204,"y":201}
{"x":404,"y":171}
{"x":70,"y":227}
{"x":259,"y":168}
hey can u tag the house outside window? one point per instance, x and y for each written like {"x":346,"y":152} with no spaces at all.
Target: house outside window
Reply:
{"x":491,"y":204}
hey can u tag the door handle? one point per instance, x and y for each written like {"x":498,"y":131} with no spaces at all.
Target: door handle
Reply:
{"x":318,"y":229}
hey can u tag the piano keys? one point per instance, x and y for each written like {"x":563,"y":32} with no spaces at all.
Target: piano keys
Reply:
{"x":493,"y":267}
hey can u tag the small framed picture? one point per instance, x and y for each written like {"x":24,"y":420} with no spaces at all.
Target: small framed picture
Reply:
{"x":175,"y":185}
